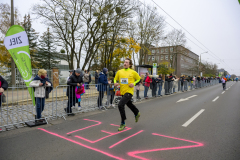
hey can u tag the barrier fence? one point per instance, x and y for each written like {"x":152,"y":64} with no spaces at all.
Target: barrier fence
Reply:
{"x":17,"y":107}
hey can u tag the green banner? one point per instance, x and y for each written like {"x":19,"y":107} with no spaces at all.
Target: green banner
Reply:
{"x":16,"y":42}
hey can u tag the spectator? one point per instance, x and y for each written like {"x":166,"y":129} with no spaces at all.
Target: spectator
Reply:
{"x":102,"y":86}
{"x":79,"y":91}
{"x":137,"y":87}
{"x":70,"y":73}
{"x":154,"y":86}
{"x":3,"y":87}
{"x":175,"y":83}
{"x":110,"y":91}
{"x":90,"y":79}
{"x":148,"y":81}
{"x":96,"y":77}
{"x":74,"y":80}
{"x":182,"y":82}
{"x":146,"y":85}
{"x":40,"y":84}
{"x":160,"y":83}
{"x":86,"y":79}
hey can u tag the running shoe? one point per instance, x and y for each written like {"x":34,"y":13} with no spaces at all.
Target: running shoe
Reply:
{"x":122,"y":126}
{"x":137,"y":117}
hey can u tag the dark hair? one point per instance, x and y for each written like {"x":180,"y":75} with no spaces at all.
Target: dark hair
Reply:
{"x":130,"y":62}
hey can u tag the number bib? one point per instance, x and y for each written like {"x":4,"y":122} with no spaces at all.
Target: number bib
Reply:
{"x":124,"y":80}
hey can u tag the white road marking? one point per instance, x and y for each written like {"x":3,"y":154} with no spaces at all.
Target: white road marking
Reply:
{"x":223,"y":92}
{"x":185,"y":99}
{"x":193,"y":118}
{"x":215,"y":98}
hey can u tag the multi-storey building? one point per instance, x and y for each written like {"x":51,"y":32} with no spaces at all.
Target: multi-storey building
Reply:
{"x":181,"y":59}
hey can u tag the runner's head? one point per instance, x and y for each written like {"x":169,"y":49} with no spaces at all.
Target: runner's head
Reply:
{"x":128,"y":63}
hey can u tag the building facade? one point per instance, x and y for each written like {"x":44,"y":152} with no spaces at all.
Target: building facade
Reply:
{"x":181,"y":59}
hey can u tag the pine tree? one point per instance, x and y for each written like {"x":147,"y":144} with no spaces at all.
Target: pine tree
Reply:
{"x":32,"y":38}
{"x":47,"y":55}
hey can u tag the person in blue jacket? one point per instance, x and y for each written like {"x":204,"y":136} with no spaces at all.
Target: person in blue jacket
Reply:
{"x":102,"y":86}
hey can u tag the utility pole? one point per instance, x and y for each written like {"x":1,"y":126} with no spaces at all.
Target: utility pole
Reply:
{"x":13,"y":71}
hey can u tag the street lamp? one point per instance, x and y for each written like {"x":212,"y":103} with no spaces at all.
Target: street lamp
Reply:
{"x":200,"y":61}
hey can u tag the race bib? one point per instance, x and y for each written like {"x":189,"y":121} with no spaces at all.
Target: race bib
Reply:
{"x":124,"y":80}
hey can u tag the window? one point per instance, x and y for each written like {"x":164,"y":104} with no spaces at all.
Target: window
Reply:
{"x":149,"y":57}
{"x":161,"y":57}
{"x":166,"y":50}
{"x":166,"y":57}
{"x":157,"y":58}
{"x":181,"y":58}
{"x":171,"y":49}
{"x":171,"y":57}
{"x":153,"y":51}
{"x":153,"y":58}
{"x":162,"y":50}
{"x":158,"y":51}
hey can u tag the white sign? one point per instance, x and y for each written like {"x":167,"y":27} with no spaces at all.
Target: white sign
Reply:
{"x":154,"y":69}
{"x":16,"y":40}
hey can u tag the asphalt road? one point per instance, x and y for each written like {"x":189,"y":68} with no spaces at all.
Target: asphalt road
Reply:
{"x":202,"y":124}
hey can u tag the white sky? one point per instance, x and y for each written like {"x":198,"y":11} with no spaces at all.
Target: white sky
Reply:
{"x":215,"y":23}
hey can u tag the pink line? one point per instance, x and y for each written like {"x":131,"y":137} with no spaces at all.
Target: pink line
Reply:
{"x":107,"y":132}
{"x":102,"y":137}
{"x":125,"y":139}
{"x":98,"y":123}
{"x":83,"y":145}
{"x":133,"y":154}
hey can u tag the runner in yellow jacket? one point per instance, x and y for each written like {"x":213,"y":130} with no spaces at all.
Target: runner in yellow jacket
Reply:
{"x":127,"y":79}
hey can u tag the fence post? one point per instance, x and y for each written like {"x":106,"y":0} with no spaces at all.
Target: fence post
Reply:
{"x":55,"y":77}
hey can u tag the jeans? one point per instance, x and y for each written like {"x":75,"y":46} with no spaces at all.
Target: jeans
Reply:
{"x":138,"y":97}
{"x":145,"y":91}
{"x":100,"y":97}
{"x":173,"y":90}
{"x":71,"y":102}
{"x":86,"y":85}
{"x":39,"y":106}
{"x":126,"y":99}
{"x":160,"y":90}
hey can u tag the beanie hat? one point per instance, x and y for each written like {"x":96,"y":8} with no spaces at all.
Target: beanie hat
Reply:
{"x":105,"y":70}
{"x":78,"y":70}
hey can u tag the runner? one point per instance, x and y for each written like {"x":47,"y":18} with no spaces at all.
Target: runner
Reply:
{"x":128,"y":78}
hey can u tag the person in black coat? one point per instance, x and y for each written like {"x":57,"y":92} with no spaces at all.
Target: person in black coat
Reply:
{"x":74,"y":80}
{"x":3,"y":87}
{"x":96,"y":77}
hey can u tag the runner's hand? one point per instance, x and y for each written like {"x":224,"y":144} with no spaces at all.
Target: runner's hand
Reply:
{"x":131,"y":85}
{"x":116,"y":84}
{"x":40,"y":84}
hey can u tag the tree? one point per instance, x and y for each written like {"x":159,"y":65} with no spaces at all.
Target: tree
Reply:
{"x":47,"y":56}
{"x":150,"y":30}
{"x":32,"y":39}
{"x":5,"y":18}
{"x":5,"y":58}
{"x":209,"y":69}
{"x":163,"y":68}
{"x":65,"y":19}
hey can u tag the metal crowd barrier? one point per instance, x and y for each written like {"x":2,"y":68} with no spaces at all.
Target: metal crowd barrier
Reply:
{"x":19,"y":107}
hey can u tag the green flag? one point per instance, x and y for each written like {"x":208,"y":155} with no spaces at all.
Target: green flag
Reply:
{"x":16,"y":42}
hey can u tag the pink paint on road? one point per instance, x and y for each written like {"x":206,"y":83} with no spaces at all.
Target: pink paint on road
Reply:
{"x":110,"y":134}
{"x":83,"y":145}
{"x":125,"y":139}
{"x":98,"y":123}
{"x":134,"y":154}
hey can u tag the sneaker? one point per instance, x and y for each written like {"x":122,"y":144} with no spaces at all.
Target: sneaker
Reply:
{"x":71,"y":114}
{"x":79,"y":108}
{"x":122,"y":126}
{"x":137,"y":117}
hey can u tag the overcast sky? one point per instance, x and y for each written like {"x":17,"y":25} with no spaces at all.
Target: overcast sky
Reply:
{"x":214,"y":23}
